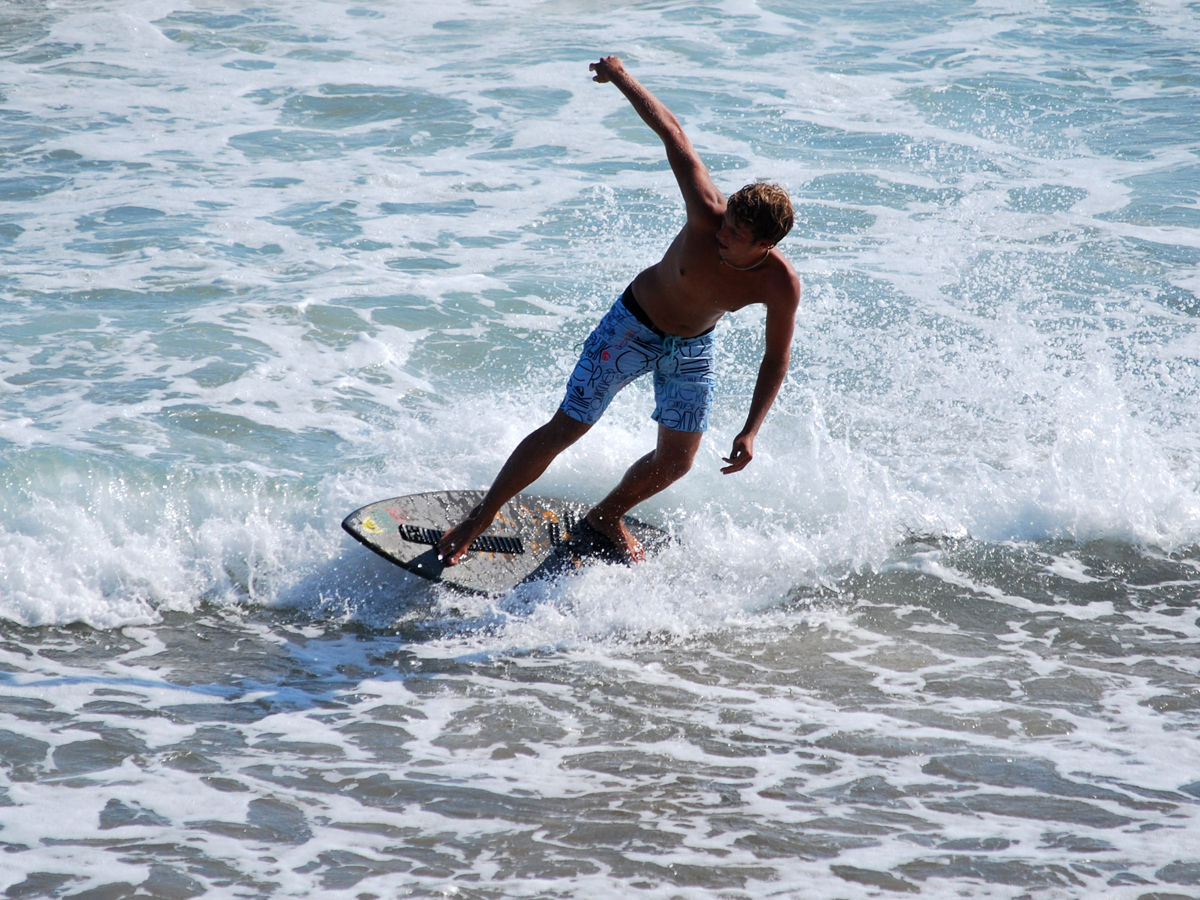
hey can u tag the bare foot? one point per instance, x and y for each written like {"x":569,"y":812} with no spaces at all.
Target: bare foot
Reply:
{"x":618,"y":532}
{"x":454,"y":544}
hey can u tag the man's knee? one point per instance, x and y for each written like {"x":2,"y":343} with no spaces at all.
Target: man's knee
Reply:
{"x":675,"y":466}
{"x":675,"y":453}
{"x":561,"y":431}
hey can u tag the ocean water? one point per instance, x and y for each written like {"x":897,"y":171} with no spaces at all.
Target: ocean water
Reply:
{"x":264,"y":262}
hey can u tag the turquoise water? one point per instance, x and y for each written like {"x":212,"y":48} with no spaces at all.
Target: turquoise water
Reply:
{"x":261,"y":264}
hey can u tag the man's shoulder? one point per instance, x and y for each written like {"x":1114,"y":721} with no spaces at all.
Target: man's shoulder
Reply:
{"x":706,"y":216}
{"x":783,"y":284}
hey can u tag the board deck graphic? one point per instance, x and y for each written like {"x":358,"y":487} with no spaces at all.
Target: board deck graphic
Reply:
{"x":532,"y":537}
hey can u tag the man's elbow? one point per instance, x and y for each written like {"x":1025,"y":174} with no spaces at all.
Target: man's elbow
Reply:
{"x":776,"y":363}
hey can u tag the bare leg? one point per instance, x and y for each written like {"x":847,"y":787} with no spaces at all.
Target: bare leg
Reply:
{"x":667,"y":463}
{"x":525,"y":465}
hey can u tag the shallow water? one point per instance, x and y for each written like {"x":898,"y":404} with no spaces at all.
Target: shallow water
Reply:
{"x":263,"y":264}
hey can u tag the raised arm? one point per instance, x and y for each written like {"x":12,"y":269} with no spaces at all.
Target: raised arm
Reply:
{"x":700,"y":195}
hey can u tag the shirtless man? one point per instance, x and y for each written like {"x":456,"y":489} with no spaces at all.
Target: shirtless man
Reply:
{"x":723,"y":259}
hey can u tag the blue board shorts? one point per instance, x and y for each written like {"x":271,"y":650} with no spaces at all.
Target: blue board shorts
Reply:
{"x":626,"y":345}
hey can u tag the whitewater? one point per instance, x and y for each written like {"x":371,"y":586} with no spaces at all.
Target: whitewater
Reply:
{"x":263,"y":263}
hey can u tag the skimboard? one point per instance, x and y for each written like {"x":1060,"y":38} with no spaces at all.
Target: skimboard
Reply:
{"x":532,"y":537}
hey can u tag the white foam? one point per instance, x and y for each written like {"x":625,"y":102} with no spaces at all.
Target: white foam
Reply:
{"x":389,"y":303}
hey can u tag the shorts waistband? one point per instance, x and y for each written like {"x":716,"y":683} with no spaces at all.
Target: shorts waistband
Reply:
{"x":629,"y":301}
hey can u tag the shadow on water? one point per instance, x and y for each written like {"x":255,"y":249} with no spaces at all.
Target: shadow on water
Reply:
{"x":361,"y":593}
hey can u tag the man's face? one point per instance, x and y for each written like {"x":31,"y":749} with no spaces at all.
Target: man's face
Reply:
{"x":736,"y":242}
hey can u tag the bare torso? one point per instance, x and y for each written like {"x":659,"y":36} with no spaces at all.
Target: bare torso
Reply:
{"x":690,"y":288}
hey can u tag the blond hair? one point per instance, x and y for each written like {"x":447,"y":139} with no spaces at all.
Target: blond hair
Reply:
{"x":765,"y":209}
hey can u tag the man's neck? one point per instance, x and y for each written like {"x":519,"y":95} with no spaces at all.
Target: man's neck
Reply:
{"x":752,"y":266}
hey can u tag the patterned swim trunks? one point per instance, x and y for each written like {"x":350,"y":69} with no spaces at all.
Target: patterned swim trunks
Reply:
{"x":624,"y":346}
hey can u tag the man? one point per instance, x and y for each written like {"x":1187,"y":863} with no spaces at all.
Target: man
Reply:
{"x":723,"y":259}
